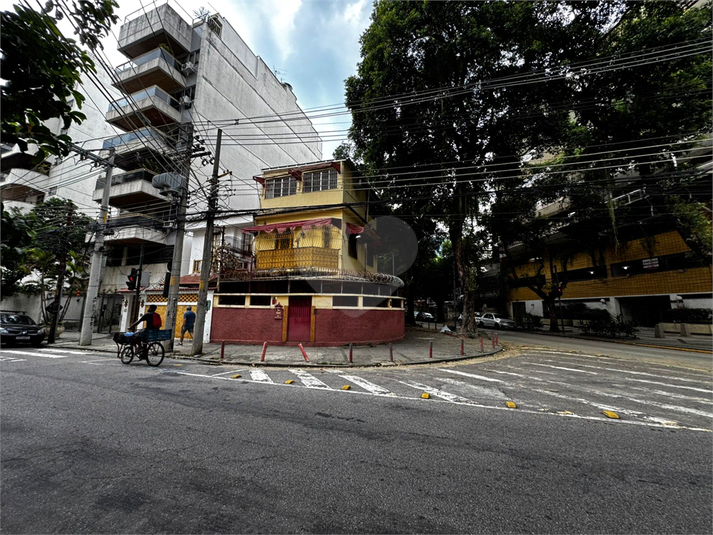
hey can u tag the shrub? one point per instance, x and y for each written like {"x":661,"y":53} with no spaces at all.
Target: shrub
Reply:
{"x":529,"y":322}
{"x":687,"y":315}
{"x":606,"y":325}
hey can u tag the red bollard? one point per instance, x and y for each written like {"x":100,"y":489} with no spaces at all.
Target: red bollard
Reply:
{"x":430,"y":350}
{"x":462,"y":349}
{"x":350,"y":354}
{"x":222,"y":351}
{"x":264,"y":349}
{"x":391,"y":353}
{"x":303,"y":353}
{"x":482,"y":350}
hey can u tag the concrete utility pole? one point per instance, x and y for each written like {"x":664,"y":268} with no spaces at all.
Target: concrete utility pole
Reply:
{"x":85,"y":337}
{"x":173,"y":289}
{"x":197,"y":347}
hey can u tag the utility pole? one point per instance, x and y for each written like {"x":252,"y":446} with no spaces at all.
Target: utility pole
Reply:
{"x":137,"y":312}
{"x":85,"y":337}
{"x":173,"y":289}
{"x":197,"y":347}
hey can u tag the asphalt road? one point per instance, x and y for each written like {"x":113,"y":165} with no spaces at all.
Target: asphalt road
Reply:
{"x":92,"y":446}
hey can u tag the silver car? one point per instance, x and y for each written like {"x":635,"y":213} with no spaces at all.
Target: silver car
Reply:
{"x":495,"y":321}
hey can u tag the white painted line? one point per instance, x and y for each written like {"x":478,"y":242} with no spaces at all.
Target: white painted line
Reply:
{"x":260,"y":376}
{"x":366,"y":385}
{"x":33,"y":354}
{"x":52,"y":350}
{"x":309,"y":380}
{"x":631,"y":372}
{"x":480,"y":377}
{"x":9,"y":359}
{"x":438,"y":393}
{"x":562,"y":368}
{"x":706,"y":390}
{"x":227,"y":373}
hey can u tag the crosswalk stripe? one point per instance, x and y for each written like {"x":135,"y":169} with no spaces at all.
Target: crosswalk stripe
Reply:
{"x":309,"y":380}
{"x":436,"y":392}
{"x":52,"y":350}
{"x":481,"y":377}
{"x":35,"y":354}
{"x":708,"y":391}
{"x":260,"y":376}
{"x":562,"y":368}
{"x":366,"y":385}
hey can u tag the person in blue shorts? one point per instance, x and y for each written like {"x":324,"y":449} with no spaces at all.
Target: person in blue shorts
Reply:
{"x":189,"y":320}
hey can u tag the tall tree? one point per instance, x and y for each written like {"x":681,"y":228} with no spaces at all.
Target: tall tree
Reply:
{"x":42,"y":69}
{"x":450,"y":95}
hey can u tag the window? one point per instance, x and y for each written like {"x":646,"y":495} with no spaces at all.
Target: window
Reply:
{"x":320,"y":180}
{"x":232,"y":300}
{"x":345,"y":301}
{"x":353,"y":245}
{"x":196,"y":266}
{"x":260,"y":300}
{"x":283,"y":240}
{"x":280,"y":187}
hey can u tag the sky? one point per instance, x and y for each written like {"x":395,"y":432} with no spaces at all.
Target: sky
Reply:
{"x":311,"y":44}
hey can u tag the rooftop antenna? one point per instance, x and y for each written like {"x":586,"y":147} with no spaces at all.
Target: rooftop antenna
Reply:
{"x":279,"y":73}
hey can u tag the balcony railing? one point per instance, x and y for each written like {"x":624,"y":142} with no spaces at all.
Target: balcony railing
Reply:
{"x":153,"y":92}
{"x":125,"y":178}
{"x":302,"y":257}
{"x":146,"y":136}
{"x":137,"y":62}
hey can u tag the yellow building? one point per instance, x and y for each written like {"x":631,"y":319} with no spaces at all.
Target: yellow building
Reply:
{"x":315,"y":274}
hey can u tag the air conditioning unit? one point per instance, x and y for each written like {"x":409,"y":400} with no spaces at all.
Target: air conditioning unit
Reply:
{"x":185,"y":101}
{"x":188,"y":67}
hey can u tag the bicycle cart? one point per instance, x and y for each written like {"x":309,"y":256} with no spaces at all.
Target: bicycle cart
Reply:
{"x":144,"y":345}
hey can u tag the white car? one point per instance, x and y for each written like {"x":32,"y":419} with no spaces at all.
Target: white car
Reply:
{"x":495,"y":321}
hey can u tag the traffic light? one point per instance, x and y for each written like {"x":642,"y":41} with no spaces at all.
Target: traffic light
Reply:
{"x":132,"y":279}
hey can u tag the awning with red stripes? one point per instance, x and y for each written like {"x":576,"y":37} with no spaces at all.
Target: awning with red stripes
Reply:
{"x":291,"y":225}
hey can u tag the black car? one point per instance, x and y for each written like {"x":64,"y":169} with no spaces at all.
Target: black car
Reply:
{"x":19,"y":328}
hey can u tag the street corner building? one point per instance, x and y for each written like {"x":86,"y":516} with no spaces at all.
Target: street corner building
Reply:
{"x":314,"y":276}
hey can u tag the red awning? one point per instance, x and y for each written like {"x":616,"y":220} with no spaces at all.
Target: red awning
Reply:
{"x":353,"y":229}
{"x":290,"y":225}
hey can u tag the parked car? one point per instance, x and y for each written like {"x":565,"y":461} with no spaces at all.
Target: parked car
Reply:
{"x":19,"y":328}
{"x":495,"y":321}
{"x":425,"y":316}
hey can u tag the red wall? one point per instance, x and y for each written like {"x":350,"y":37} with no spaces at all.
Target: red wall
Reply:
{"x":332,"y":327}
{"x":247,"y":325}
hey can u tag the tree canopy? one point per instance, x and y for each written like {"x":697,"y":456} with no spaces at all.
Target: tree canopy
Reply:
{"x":42,"y":69}
{"x":451,"y":99}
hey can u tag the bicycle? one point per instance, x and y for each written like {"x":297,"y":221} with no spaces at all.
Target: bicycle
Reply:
{"x":145,"y":345}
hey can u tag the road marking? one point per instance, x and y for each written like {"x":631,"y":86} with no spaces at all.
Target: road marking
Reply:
{"x":35,"y":354}
{"x":309,"y":380}
{"x":227,"y":373}
{"x":474,"y":376}
{"x":438,"y":393}
{"x":631,"y":372}
{"x":706,"y":390}
{"x":562,"y":368}
{"x":259,"y":376}
{"x":366,"y":385}
{"x":52,"y":350}
{"x":10,"y":359}
{"x":479,"y":389}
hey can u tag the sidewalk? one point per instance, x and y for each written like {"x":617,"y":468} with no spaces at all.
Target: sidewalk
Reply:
{"x":419,"y":346}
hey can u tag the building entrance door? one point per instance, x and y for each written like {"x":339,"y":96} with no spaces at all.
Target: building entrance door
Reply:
{"x":298,"y":320}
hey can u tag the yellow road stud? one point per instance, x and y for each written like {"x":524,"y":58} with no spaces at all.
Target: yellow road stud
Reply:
{"x":610,"y":414}
{"x":511,"y":404}
{"x":346,"y":387}
{"x":236,"y":376}
{"x":289,"y":381}
{"x":426,"y":395}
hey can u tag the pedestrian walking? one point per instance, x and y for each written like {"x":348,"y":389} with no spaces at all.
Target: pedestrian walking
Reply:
{"x":189,"y":320}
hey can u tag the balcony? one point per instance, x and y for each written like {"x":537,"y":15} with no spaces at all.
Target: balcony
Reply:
{"x":137,"y":146}
{"x":146,"y":31}
{"x":157,"y":68}
{"x":136,"y":229}
{"x":302,"y":257}
{"x":130,"y":189}
{"x":153,"y":103}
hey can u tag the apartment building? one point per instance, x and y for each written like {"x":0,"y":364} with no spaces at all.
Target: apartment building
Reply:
{"x":315,"y":277}
{"x":183,"y":80}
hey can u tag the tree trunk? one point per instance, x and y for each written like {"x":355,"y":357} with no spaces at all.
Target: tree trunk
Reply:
{"x":552,"y":311}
